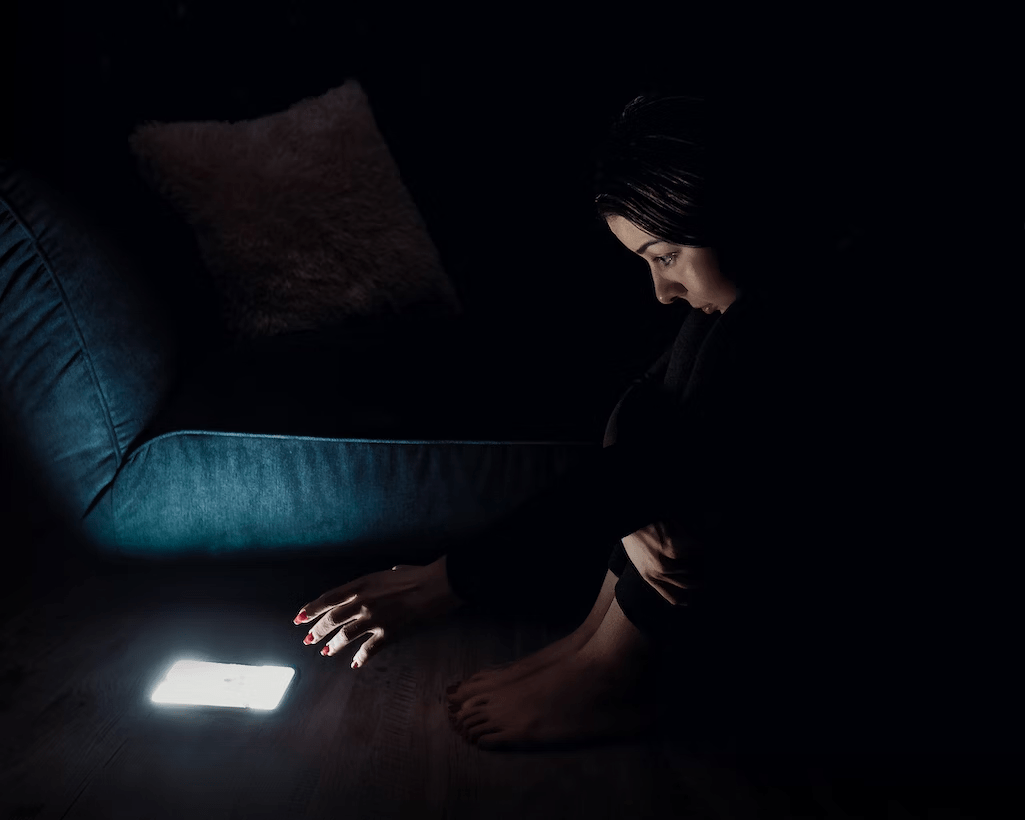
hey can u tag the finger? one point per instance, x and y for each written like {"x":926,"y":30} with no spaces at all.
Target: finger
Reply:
{"x":674,"y":595}
{"x":330,"y":599}
{"x":334,"y":618}
{"x":318,"y":607}
{"x":348,"y":633}
{"x":371,"y":646}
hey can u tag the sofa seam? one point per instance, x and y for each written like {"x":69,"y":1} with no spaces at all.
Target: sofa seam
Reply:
{"x":44,"y":259}
{"x":230,"y":434}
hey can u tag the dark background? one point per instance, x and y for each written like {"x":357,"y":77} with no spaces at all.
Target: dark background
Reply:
{"x":846,"y":127}
{"x":493,"y":121}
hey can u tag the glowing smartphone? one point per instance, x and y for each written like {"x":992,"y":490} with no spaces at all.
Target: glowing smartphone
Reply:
{"x":202,"y":683}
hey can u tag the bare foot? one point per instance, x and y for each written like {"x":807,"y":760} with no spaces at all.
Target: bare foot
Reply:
{"x":496,"y":677}
{"x":571,"y":702}
{"x":508,"y":673}
{"x":591,"y":694}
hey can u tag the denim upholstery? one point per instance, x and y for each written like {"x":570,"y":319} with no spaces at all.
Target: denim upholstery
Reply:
{"x":88,"y":368}
{"x":85,"y":355}
{"x":210,"y":493}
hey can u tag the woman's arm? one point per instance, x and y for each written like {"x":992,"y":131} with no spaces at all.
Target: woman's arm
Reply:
{"x":562,"y":536}
{"x":672,"y":459}
{"x":542,"y":547}
{"x":652,"y":377}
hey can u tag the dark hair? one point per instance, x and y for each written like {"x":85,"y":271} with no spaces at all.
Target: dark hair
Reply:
{"x":654,"y":169}
{"x":704,"y":171}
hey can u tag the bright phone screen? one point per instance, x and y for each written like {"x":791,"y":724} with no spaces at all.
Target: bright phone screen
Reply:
{"x":203,"y":683}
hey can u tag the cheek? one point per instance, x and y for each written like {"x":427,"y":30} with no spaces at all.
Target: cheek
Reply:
{"x":694,"y":280}
{"x":707,"y":280}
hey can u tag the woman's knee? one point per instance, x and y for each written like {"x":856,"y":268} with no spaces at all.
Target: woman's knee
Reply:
{"x":667,"y":564}
{"x":611,"y":430}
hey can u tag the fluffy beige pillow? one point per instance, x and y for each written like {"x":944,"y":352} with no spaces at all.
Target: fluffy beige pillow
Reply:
{"x":301,"y":216}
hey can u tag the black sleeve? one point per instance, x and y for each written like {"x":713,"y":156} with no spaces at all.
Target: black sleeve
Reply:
{"x":556,"y":530}
{"x":563,"y":536}
{"x":633,"y":396}
{"x":657,"y":371}
{"x":556,"y":545}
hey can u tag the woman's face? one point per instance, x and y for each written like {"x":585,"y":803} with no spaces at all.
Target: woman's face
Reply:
{"x":678,"y":271}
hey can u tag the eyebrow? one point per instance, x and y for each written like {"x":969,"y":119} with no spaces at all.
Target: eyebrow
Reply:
{"x":648,"y":244}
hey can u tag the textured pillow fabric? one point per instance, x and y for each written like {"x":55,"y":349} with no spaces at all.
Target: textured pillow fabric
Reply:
{"x":300,"y":216}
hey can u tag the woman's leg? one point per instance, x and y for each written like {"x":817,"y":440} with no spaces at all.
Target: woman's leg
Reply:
{"x":611,"y":685}
{"x":488,"y":679}
{"x":502,"y":675}
{"x":601,"y":691}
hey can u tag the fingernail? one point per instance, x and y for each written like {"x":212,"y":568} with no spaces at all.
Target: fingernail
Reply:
{"x":451,"y":690}
{"x":308,"y":639}
{"x":355,"y":664}
{"x":326,"y":650}
{"x":302,"y":616}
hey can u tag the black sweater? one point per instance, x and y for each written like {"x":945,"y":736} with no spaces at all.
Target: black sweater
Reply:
{"x":699,"y":436}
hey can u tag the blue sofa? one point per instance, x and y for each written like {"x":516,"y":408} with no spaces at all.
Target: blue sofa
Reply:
{"x":376,"y":435}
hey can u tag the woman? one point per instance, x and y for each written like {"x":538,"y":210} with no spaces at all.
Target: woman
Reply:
{"x":676,"y":492}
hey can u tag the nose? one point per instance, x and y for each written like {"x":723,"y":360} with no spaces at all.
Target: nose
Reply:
{"x":663,"y":295}
{"x":664,"y":290}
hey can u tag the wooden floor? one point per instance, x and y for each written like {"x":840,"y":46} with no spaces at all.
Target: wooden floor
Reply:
{"x":82,"y":740}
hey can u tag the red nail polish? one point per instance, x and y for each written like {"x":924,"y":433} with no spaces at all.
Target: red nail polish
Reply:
{"x":325,"y":650}
{"x":355,"y":665}
{"x":308,"y":640}
{"x":302,"y":616}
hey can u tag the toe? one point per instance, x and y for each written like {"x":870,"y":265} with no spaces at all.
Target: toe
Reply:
{"x":493,"y":739}
{"x":483,"y":729}
{"x":462,"y":716}
{"x":462,"y":694}
{"x":468,"y":706}
{"x":474,"y":721}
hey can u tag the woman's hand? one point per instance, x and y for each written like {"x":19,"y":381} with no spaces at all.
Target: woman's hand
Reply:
{"x":667,"y":560}
{"x":385,"y":604}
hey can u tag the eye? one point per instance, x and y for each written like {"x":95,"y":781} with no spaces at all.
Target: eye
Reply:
{"x":665,"y":261}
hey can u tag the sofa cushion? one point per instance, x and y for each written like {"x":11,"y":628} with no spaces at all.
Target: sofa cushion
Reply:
{"x":301,"y":216}
{"x":85,"y":356}
{"x":374,"y":433}
{"x":198,"y":494}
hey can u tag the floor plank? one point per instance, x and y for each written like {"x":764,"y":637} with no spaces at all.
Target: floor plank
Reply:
{"x":82,"y":740}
